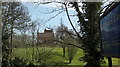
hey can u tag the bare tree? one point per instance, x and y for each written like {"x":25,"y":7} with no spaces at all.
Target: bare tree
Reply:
{"x":33,"y":31}
{"x":61,"y":35}
{"x":14,"y":15}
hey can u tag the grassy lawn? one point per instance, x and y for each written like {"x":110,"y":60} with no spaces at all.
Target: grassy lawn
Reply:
{"x":56,"y":55}
{"x":115,"y":62}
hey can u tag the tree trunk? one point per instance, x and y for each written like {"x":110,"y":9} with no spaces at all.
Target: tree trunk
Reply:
{"x":33,"y":46}
{"x":5,"y":47}
{"x":70,"y":61}
{"x":63,"y":51}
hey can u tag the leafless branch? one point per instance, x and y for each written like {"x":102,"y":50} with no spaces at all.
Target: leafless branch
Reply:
{"x":54,"y":16}
{"x":51,"y":41}
{"x":54,"y":10}
{"x":68,"y":44}
{"x":71,"y":34}
{"x":48,"y":2}
{"x":73,"y":15}
{"x":71,"y":21}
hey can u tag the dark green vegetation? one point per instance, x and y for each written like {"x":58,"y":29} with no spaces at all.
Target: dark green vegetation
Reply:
{"x":89,"y":31}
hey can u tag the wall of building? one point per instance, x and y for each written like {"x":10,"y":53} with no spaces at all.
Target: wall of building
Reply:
{"x":47,"y":37}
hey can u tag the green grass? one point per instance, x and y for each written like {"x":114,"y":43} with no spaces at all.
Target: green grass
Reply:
{"x":56,"y":55}
{"x":57,"y":52}
{"x":115,"y":61}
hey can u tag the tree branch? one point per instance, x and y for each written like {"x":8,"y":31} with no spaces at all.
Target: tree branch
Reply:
{"x":68,"y":44}
{"x":54,"y":16}
{"x":51,"y":41}
{"x":71,"y":21}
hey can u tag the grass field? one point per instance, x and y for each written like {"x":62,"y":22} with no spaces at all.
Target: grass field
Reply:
{"x":56,"y":55}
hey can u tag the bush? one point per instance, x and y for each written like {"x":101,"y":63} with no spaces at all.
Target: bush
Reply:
{"x":18,"y":62}
{"x":71,"y":51}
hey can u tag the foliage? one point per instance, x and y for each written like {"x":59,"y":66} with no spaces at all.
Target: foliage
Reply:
{"x":89,"y":31}
{"x":18,"y":62}
{"x":14,"y":16}
{"x":30,"y":65}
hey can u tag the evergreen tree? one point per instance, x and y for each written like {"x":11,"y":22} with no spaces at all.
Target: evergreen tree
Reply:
{"x":89,"y":27}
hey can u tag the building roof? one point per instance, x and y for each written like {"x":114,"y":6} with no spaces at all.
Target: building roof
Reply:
{"x":51,"y":30}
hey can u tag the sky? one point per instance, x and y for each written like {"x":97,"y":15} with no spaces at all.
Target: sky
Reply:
{"x":38,"y":13}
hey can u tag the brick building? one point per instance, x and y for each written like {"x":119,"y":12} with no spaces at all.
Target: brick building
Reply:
{"x":46,"y":37}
